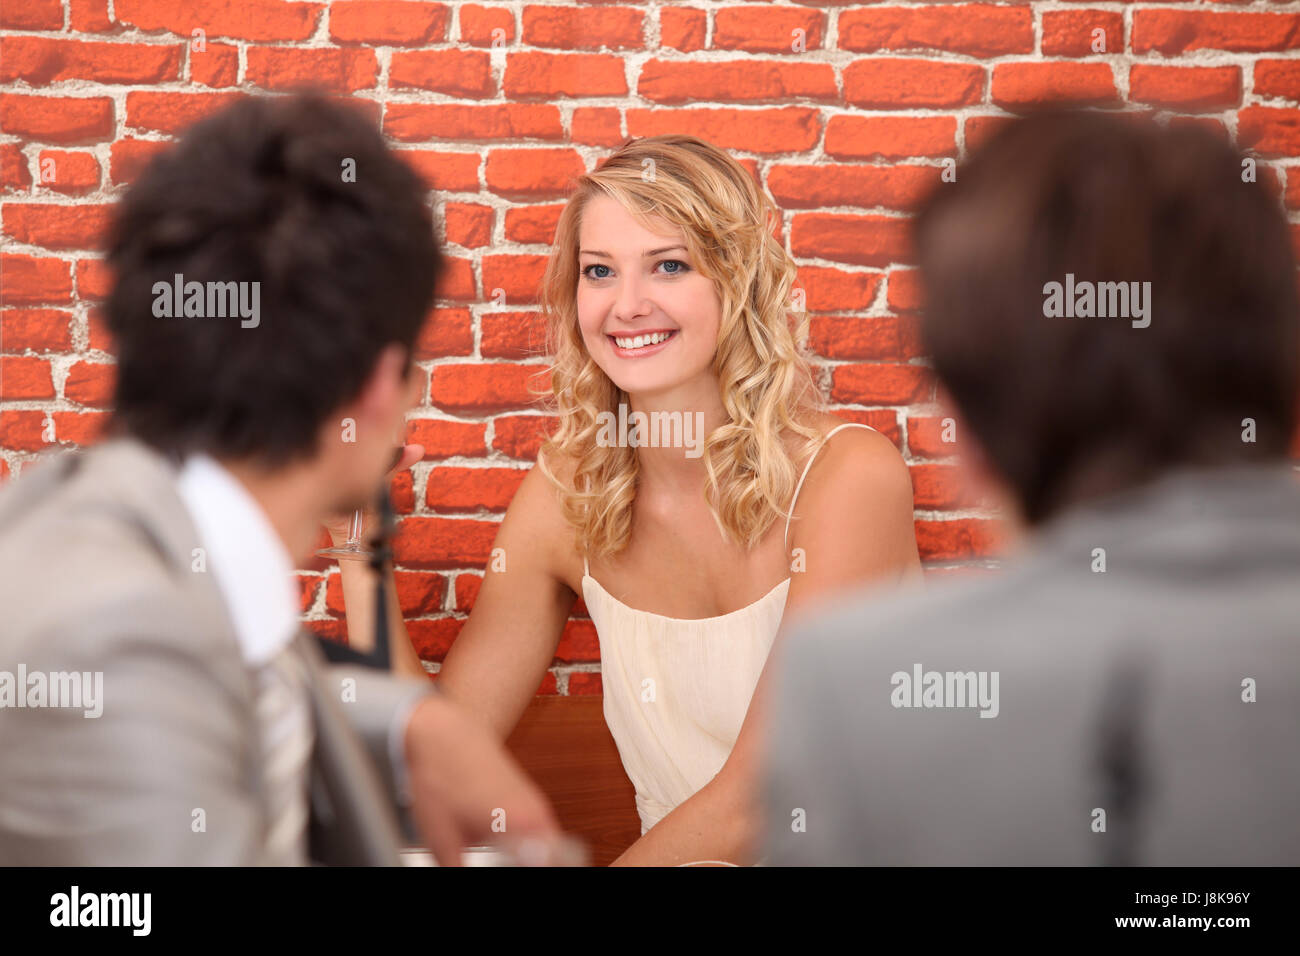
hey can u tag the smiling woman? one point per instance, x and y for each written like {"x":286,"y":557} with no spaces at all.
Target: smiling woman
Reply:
{"x":667,"y":293}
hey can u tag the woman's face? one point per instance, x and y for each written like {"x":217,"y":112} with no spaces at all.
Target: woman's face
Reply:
{"x":650,"y":320}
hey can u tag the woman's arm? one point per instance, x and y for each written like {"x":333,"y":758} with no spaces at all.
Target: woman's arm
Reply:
{"x":498,"y":660}
{"x":855,"y":529}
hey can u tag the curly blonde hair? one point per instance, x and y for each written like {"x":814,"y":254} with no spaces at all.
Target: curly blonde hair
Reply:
{"x":766,"y":382}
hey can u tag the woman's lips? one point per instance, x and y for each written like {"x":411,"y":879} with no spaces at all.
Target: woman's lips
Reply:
{"x":644,"y":350}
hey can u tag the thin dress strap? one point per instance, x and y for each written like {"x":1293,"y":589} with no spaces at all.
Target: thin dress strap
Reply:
{"x":586,"y":571}
{"x":799,"y":487}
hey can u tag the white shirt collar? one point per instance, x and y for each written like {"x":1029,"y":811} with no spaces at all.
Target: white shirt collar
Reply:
{"x":250,"y":564}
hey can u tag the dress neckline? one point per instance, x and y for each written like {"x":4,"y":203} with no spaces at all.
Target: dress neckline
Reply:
{"x":687,"y":620}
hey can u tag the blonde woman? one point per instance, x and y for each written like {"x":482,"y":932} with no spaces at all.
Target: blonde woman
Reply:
{"x":690,"y":540}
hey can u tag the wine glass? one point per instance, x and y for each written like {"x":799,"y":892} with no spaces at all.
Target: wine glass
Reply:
{"x":353,"y":549}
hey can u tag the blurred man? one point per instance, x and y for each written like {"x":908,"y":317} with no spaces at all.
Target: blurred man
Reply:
{"x":158,"y":703}
{"x":1112,"y":308}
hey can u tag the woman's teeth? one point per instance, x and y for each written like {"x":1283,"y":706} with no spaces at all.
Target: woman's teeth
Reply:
{"x":641,"y":341}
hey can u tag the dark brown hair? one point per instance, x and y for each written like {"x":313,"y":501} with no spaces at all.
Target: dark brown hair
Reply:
{"x":346,"y":265}
{"x":1070,"y":407}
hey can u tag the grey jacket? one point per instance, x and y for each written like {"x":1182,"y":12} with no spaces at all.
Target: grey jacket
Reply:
{"x":1145,"y":714}
{"x":95,"y":576}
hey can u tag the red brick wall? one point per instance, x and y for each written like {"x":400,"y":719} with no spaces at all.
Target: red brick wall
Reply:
{"x":846,"y":111}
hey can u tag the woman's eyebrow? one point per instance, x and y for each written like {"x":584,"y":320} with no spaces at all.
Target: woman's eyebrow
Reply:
{"x":605,"y":255}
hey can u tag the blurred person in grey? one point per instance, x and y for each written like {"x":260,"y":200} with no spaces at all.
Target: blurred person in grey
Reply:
{"x":159,"y":703}
{"x":1127,"y":689}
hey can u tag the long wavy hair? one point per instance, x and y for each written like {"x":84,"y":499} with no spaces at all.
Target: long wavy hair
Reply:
{"x":766,"y":382}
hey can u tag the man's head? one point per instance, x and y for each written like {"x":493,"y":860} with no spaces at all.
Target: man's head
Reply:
{"x":295,"y":206}
{"x":1066,"y":403}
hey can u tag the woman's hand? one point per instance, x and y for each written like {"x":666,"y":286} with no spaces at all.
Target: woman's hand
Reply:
{"x":339,"y":525}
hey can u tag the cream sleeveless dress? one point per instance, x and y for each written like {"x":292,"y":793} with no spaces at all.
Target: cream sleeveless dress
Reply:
{"x":677,"y":689}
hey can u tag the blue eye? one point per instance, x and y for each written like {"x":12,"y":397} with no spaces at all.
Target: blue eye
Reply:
{"x":587,"y":271}
{"x":681,"y":266}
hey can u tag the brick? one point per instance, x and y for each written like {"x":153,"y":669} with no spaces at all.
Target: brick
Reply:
{"x":467,"y":587}
{"x":959,"y":539}
{"x":128,"y":158}
{"x":94,"y":279}
{"x":456,"y":489}
{"x":57,"y":119}
{"x":27,"y":280}
{"x":1071,"y":32}
{"x":41,"y":61}
{"x":1269,"y":131}
{"x":1020,"y":86}
{"x":575,"y":28}
{"x":1181,"y":31}
{"x":520,"y":436}
{"x":512,"y":335}
{"x":860,"y":240}
{"x":941,"y":487}
{"x":432,"y":639}
{"x":532,"y":173}
{"x":481,"y":389}
{"x":80,"y":226}
{"x":89,"y":16}
{"x":890,"y":137}
{"x":457,"y":283}
{"x":73,"y":173}
{"x":925,"y":436}
{"x":23,"y":430}
{"x":25,"y":377}
{"x":41,"y":330}
{"x":445,"y":332}
{"x":446,"y":439}
{"x":486,"y":26}
{"x":291,"y":68}
{"x":80,"y":428}
{"x":674,"y":81}
{"x":389,"y":22}
{"x":682,"y":28}
{"x":90,"y":383}
{"x":217,"y":65}
{"x":814,"y":185}
{"x":32,"y":15}
{"x":443,"y":543}
{"x":536,"y":224}
{"x":904,"y":290}
{"x":881,"y":384}
{"x":537,"y":75}
{"x":596,"y":126}
{"x":583,"y":684}
{"x":910,"y":83}
{"x":454,"y":72}
{"x":256,"y":20}
{"x":890,"y":338}
{"x":579,"y":643}
{"x":414,"y":122}
{"x":418,"y":592}
{"x":778,"y":130}
{"x":976,"y":29}
{"x":883,"y":420}
{"x":172,"y":112}
{"x":14,"y":170}
{"x":758,"y":28}
{"x":446,"y":172}
{"x":100,"y":339}
{"x":517,"y":277}
{"x":1185,"y":88}
{"x":468,"y":224}
{"x":828,"y":290}
{"x":1280,"y":78}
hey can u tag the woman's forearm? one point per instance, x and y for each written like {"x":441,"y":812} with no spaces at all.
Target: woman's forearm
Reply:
{"x":717,"y":823}
{"x":359,"y":607}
